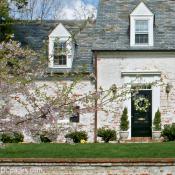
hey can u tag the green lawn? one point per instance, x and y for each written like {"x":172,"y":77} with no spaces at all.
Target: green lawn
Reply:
{"x":134,"y":150}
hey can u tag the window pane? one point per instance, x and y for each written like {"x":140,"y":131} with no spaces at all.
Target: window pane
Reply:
{"x":60,"y":46}
{"x":60,"y":60}
{"x":141,"y":38}
{"x":141,"y":26}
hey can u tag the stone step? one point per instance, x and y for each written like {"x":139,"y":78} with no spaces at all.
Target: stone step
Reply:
{"x":141,"y":140}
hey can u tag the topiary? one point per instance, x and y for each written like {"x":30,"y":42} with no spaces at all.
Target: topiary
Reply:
{"x":157,"y":121}
{"x":124,"y":123}
{"x":106,"y":134}
{"x":77,"y":136}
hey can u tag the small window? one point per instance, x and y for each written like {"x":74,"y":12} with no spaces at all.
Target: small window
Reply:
{"x":141,"y":32}
{"x":60,"y":57}
{"x":76,"y":115}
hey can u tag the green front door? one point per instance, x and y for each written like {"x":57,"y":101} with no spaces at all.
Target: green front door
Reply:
{"x":141,"y":114}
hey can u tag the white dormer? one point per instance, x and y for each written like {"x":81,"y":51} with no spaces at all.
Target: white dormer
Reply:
{"x":60,"y":48}
{"x":141,"y":27}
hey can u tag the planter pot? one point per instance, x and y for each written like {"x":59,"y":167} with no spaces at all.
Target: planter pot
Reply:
{"x":156,"y":135}
{"x":124,"y":135}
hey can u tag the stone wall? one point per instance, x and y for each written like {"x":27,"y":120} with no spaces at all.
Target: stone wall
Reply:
{"x":88,"y":167}
{"x":109,"y":71}
{"x":86,"y":120}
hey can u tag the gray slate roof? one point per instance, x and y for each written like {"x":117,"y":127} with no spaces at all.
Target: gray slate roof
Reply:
{"x":35,"y":35}
{"x":114,"y":29}
{"x":111,"y":31}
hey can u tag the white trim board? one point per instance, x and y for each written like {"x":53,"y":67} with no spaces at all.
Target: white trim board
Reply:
{"x":131,"y":73}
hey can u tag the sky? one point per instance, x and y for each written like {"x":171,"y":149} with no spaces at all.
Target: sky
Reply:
{"x":79,"y":8}
{"x":94,"y":2}
{"x":60,"y":9}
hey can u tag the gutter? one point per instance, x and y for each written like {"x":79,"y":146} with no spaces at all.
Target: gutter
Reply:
{"x":133,"y":50}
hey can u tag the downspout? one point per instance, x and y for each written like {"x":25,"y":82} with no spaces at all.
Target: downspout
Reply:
{"x":95,"y":120}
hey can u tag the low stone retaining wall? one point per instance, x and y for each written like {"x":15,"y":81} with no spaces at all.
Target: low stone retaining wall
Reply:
{"x":87,"y":166}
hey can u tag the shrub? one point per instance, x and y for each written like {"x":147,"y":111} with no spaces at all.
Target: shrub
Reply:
{"x":106,"y":134}
{"x":169,"y":132}
{"x":44,"y":139}
{"x":18,"y":137}
{"x":77,"y":136}
{"x":7,"y":138}
{"x":12,"y":137}
{"x":124,"y":123}
{"x":157,"y":121}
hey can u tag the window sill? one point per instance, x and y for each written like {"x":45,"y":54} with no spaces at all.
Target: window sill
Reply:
{"x":141,"y":45}
{"x":59,"y":67}
{"x":58,"y":70}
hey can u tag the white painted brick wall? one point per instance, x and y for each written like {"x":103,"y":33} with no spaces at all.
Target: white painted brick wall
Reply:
{"x":110,"y":67}
{"x":86,"y":120}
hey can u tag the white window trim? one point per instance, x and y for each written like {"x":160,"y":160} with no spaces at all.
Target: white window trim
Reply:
{"x":142,"y":12}
{"x":63,"y":37}
{"x":150,"y":31}
{"x":69,"y":56}
{"x":147,"y":32}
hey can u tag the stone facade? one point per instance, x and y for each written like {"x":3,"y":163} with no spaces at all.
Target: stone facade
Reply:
{"x":110,"y":66}
{"x":86,"y":120}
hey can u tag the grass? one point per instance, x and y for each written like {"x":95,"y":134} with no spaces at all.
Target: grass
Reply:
{"x":134,"y":150}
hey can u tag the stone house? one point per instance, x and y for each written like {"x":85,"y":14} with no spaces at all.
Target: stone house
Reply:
{"x":131,"y":42}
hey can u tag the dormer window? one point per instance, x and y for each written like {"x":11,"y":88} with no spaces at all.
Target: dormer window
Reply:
{"x":141,"y":27}
{"x":61,"y":49}
{"x":141,"y":32}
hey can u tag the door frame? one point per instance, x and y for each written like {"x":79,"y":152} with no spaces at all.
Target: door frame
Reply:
{"x":132,"y":78}
{"x":155,"y":105}
{"x":142,"y":89}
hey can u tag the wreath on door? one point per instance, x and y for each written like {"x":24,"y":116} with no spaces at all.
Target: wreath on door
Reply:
{"x":141,"y":104}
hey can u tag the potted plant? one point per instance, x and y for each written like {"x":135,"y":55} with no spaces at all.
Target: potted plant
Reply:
{"x":157,"y":126}
{"x":124,"y":125}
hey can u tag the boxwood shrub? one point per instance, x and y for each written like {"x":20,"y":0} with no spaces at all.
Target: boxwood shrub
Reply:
{"x":169,"y":132}
{"x":77,"y":136}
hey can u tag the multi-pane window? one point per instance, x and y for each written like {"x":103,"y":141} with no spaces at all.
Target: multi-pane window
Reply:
{"x":141,"y":32}
{"x":60,"y":57}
